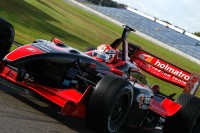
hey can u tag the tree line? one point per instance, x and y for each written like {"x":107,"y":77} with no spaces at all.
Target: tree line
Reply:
{"x":197,"y":33}
{"x":108,"y":3}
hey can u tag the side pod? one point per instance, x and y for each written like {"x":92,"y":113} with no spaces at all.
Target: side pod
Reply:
{"x":6,"y":37}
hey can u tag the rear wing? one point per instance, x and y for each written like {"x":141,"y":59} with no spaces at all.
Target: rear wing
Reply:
{"x":156,"y":66}
{"x":193,"y":84}
{"x":164,"y":70}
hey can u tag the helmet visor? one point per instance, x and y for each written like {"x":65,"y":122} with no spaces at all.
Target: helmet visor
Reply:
{"x":101,"y":55}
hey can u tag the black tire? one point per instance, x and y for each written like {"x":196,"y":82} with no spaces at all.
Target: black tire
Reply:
{"x":196,"y":128}
{"x":187,"y":119}
{"x":109,"y":104}
{"x":6,"y":37}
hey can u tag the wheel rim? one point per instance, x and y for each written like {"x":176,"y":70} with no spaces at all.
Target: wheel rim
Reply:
{"x":118,"y":112}
{"x":119,"y":109}
{"x":197,"y":126}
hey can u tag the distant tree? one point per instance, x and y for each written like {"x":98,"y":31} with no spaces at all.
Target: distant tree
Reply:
{"x":179,"y":27}
{"x":96,"y":2}
{"x":197,"y":33}
{"x":108,"y":3}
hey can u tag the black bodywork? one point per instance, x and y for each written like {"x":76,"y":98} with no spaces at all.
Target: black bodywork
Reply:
{"x":61,"y":66}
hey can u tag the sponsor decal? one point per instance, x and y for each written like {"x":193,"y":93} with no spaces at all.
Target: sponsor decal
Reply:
{"x":167,"y":76}
{"x":24,"y":51}
{"x":143,"y":101}
{"x":172,"y":70}
{"x":31,"y":49}
{"x":146,"y":57}
{"x":160,"y":68}
{"x":165,"y":66}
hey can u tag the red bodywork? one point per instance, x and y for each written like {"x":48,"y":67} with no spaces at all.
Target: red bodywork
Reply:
{"x":164,"y":108}
{"x":165,"y":71}
{"x":24,"y":51}
{"x":70,"y":100}
{"x":161,"y":68}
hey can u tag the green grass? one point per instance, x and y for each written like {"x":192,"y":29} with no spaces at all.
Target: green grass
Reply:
{"x":44,"y":19}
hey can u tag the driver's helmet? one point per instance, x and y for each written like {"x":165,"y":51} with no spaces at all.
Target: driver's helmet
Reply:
{"x":104,"y":53}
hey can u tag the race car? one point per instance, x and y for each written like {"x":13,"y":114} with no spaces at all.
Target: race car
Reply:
{"x":107,"y":96}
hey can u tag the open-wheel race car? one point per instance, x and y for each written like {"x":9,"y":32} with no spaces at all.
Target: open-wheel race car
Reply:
{"x":107,"y":95}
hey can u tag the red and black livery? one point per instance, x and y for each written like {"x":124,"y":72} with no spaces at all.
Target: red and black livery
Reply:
{"x":106,"y":95}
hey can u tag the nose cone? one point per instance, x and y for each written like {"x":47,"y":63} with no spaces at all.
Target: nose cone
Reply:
{"x":23,"y":51}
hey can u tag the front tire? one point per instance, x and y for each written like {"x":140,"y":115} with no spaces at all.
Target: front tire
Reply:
{"x":109,"y":104}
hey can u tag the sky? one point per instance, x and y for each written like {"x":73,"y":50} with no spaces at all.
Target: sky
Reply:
{"x":182,"y":13}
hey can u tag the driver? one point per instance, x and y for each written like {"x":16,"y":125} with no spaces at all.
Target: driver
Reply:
{"x":104,"y":53}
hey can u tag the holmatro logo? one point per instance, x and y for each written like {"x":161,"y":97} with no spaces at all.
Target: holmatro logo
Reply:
{"x":171,"y":70}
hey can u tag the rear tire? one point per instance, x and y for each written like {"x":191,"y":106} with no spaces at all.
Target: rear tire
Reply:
{"x":187,"y":120}
{"x":109,"y":104}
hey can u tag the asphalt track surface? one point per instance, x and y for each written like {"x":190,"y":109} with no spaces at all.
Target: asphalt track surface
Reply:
{"x":22,"y":111}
